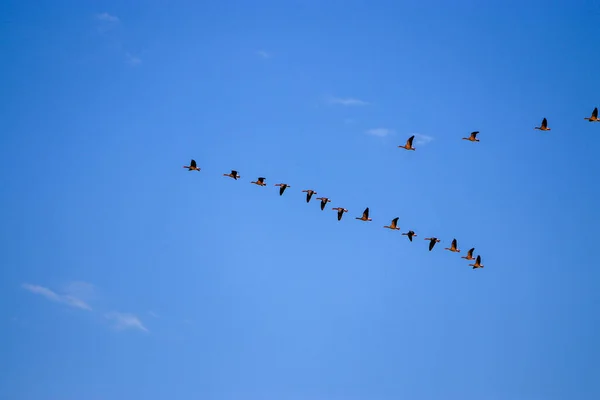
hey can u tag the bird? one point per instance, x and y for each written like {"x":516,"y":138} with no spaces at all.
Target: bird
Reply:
{"x":324,"y":201}
{"x":192,"y":166}
{"x":473,"y":137}
{"x":408,"y":145}
{"x":260,"y":181}
{"x":432,"y":242}
{"x":453,"y":247}
{"x":544,"y":126}
{"x":309,"y":194}
{"x":340,"y":211}
{"x":410,"y":235}
{"x":282,"y":187}
{"x":477,"y":263}
{"x":365,"y":216}
{"x":393,"y":225}
{"x":233,"y":174}
{"x":594,"y":117}
{"x":469,"y":255}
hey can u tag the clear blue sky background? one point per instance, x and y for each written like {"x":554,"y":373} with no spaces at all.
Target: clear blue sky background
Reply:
{"x":125,"y":276}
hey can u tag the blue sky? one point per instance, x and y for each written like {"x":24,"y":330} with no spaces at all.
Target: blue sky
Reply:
{"x":126,"y":276}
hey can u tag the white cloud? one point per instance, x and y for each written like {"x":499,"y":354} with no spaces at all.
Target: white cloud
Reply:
{"x":347,"y":101}
{"x":64,"y":298}
{"x":123,"y":321}
{"x":131,"y":59}
{"x":422,"y":139}
{"x":107,"y":17}
{"x":381,"y":132}
{"x":263,"y":54}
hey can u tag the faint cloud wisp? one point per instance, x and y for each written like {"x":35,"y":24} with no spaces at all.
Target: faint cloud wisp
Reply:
{"x":263,"y":54}
{"x":347,"y":101}
{"x":422,"y":139}
{"x":59,"y":298}
{"x":380,"y":132}
{"x":122,"y":321}
{"x":131,"y":59}
{"x":107,"y":17}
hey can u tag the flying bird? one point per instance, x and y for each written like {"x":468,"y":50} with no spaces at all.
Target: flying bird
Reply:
{"x":365,"y":216}
{"x":340,"y":211}
{"x":432,"y":242}
{"x":192,"y":166}
{"x":410,"y":235}
{"x":233,"y":174}
{"x":260,"y":181}
{"x":477,"y":263}
{"x":324,"y":201}
{"x":282,"y":187}
{"x":453,"y":247}
{"x":473,"y":137}
{"x":544,"y":126}
{"x":469,"y":255}
{"x":393,"y":225}
{"x":309,"y":194}
{"x":408,"y":145}
{"x":594,"y":117}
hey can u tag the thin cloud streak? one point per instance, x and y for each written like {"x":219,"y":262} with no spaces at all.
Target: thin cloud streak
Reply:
{"x":380,"y":132}
{"x":58,"y":298}
{"x":422,"y":139}
{"x":123,"y":321}
{"x":347,"y":101}
{"x":107,"y":17}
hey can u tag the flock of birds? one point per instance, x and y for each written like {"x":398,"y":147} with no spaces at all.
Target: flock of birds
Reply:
{"x":260,"y":181}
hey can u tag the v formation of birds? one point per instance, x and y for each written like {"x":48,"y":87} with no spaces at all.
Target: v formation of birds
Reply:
{"x":260,"y":181}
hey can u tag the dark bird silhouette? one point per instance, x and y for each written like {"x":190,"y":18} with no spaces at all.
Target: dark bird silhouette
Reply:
{"x":469,"y":255}
{"x":393,"y":225}
{"x":408,"y":145}
{"x":233,"y":174}
{"x":477,"y":263}
{"x":594,"y":117}
{"x":324,"y":201}
{"x":453,"y":247}
{"x":365,"y":216}
{"x":192,"y":166}
{"x":410,"y":235}
{"x":260,"y":181}
{"x":309,"y":194}
{"x":432,"y":242}
{"x":282,"y":187}
{"x":473,"y":137}
{"x":340,"y":211}
{"x":544,"y":126}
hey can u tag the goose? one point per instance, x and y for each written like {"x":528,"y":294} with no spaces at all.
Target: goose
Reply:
{"x":233,"y":174}
{"x":393,"y":225}
{"x":365,"y":216}
{"x":282,"y":187}
{"x":324,"y":201}
{"x":544,"y":126}
{"x":453,"y":247}
{"x":192,"y":166}
{"x":432,"y":242}
{"x":408,"y":145}
{"x":309,"y":194}
{"x":594,"y":117}
{"x":340,"y":211}
{"x":477,"y":263}
{"x":469,"y":255}
{"x":410,"y":235}
{"x":260,"y":181}
{"x":473,"y":137}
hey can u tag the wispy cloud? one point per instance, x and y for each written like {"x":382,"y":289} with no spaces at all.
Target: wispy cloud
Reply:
{"x":381,"y":132}
{"x":122,"y":321}
{"x":263,"y":54}
{"x":107,"y":17}
{"x":422,"y":139}
{"x":67,"y":299}
{"x":131,"y":59}
{"x":347,"y":101}
{"x":153,"y":314}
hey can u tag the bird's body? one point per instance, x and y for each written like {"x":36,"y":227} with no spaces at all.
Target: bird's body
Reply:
{"x":477,"y":263}
{"x":410,"y":235}
{"x":192,"y":166}
{"x":324,"y":201}
{"x":282,"y":187}
{"x":469,"y":255}
{"x":594,"y":117}
{"x":365,"y":216}
{"x":453,"y":247}
{"x":233,"y":174}
{"x":544,"y":126}
{"x":408,"y":145}
{"x":432,"y":242}
{"x":309,"y":194}
{"x":260,"y":181}
{"x":473,"y":137}
{"x":340,"y":211}
{"x":393,"y":225}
